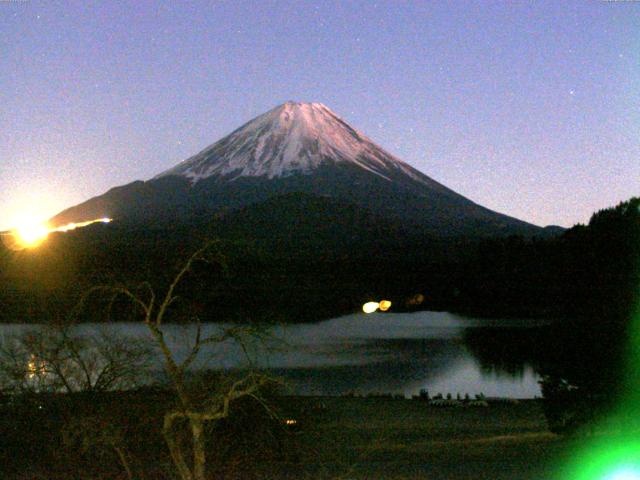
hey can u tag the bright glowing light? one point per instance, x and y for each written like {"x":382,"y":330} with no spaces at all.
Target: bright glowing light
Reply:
{"x":609,"y":459}
{"x":35,"y":367}
{"x":290,"y":421}
{"x":385,"y":305}
{"x":370,"y":307}
{"x":624,"y":474}
{"x":66,"y":228}
{"x":73,"y":226}
{"x":29,"y":233}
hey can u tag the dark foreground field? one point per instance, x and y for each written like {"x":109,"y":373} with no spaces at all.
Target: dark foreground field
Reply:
{"x":333,"y":438}
{"x":403,"y":439}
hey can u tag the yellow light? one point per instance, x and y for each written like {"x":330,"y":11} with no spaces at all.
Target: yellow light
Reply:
{"x":67,"y":227}
{"x":72,"y":226}
{"x":370,"y":307}
{"x":30,"y":233}
{"x":385,"y":305}
{"x":35,"y":367}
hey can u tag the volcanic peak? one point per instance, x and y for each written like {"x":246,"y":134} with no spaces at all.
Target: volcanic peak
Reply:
{"x":293,"y":138}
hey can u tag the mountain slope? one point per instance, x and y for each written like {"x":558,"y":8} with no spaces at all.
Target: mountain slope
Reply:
{"x":297,"y":147}
{"x":294,"y":138}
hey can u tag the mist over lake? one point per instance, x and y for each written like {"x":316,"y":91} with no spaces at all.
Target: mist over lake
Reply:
{"x":399,"y":353}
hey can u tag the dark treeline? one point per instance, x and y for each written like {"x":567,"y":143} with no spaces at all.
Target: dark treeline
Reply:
{"x":300,"y":258}
{"x":588,"y":270}
{"x":589,"y":277}
{"x":316,"y":268}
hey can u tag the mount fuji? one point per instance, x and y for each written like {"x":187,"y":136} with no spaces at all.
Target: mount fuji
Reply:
{"x":297,"y":149}
{"x":294,"y":138}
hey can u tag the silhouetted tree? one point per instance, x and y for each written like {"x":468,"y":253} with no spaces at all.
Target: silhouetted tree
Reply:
{"x":193,"y":410}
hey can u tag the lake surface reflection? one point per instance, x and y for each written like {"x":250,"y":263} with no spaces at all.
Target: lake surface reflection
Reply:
{"x":380,"y":352}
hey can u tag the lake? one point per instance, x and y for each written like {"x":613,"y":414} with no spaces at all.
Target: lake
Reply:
{"x":400,"y":353}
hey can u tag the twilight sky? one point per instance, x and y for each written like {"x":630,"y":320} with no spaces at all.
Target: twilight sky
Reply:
{"x":528,"y":108}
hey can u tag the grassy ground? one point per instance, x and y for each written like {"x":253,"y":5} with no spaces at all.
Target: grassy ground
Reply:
{"x":406,"y":439}
{"x":334,"y":438}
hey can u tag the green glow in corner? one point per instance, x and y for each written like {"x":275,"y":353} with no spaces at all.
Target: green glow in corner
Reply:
{"x":609,"y":459}
{"x":616,"y":455}
{"x":624,"y":474}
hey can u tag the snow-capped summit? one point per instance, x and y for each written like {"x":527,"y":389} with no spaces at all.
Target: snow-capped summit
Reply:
{"x":289,"y":139}
{"x":296,"y":149}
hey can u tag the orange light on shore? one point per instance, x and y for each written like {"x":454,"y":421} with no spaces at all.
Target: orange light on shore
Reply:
{"x":371,"y":307}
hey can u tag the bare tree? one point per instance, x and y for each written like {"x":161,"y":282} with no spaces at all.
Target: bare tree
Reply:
{"x":192,"y":410}
{"x":60,"y":359}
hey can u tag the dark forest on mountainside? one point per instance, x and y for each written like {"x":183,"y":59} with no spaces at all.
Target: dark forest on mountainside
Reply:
{"x":283,"y":272}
